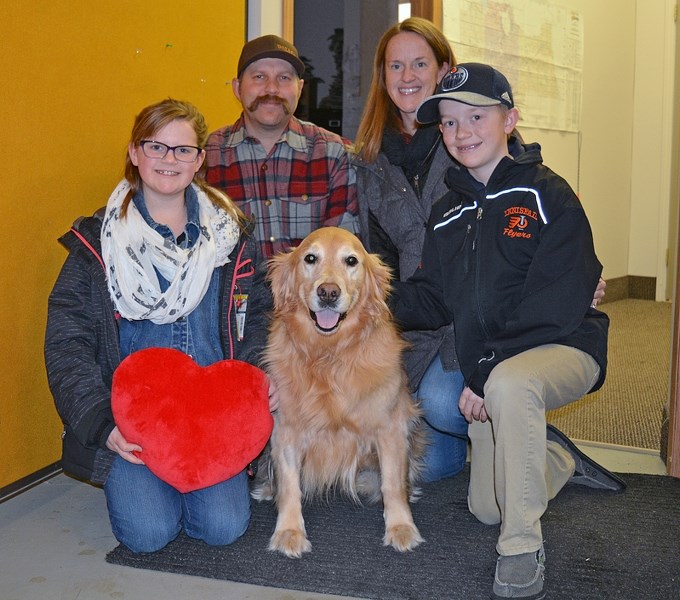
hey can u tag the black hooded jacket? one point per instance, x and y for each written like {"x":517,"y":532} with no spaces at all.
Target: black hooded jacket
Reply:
{"x":512,"y":264}
{"x":82,"y":345}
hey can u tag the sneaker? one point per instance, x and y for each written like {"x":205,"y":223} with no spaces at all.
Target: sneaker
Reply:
{"x":587,"y":472}
{"x":520,"y":576}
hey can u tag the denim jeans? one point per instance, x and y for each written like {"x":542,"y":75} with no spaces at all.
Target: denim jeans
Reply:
{"x":147,"y":513}
{"x":446,"y":427}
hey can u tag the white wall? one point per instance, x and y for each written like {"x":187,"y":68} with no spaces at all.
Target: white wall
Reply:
{"x":264,"y":17}
{"x":619,"y":163}
{"x":652,"y":139}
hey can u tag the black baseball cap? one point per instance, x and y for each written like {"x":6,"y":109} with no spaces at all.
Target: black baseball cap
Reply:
{"x":269,"y":46}
{"x":475,"y":84}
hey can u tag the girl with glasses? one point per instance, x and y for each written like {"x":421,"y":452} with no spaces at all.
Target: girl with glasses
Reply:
{"x":161,"y":266}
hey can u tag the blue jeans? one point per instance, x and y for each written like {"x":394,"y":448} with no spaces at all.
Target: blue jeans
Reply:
{"x":147,"y":513}
{"x":445,"y":426}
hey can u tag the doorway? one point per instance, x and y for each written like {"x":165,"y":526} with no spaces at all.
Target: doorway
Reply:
{"x":359,"y":26}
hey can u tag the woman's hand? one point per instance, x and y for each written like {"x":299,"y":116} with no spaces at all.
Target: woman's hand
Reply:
{"x":472,"y":406}
{"x":122,"y":447}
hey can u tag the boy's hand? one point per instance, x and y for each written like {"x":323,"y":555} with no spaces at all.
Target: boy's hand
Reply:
{"x":472,"y":406}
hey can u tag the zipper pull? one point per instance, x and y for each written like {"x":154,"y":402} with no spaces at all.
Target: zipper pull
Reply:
{"x":480,"y":210}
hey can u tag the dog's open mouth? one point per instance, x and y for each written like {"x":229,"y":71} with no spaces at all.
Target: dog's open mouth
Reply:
{"x":327,"y":320}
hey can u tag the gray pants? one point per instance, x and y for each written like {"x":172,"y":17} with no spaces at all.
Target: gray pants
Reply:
{"x":514,"y":471}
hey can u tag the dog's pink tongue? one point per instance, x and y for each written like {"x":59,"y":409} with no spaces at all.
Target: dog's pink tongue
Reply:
{"x":327,"y":319}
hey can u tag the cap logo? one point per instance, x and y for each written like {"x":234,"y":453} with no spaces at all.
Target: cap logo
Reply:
{"x":455,"y":78}
{"x":505,"y":96}
{"x":285,"y":49}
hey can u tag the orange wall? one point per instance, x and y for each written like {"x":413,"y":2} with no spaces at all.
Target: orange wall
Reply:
{"x":73,"y":76}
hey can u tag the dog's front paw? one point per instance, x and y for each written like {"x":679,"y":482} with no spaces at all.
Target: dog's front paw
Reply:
{"x":291,"y":542}
{"x":402,"y":537}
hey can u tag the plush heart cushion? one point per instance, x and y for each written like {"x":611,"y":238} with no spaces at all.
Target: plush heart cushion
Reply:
{"x":197,"y":426}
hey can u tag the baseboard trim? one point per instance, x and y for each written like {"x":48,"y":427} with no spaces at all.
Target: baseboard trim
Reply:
{"x":26,"y":483}
{"x":630,"y":286}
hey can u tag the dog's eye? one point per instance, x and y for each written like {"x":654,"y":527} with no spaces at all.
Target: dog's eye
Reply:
{"x":351,"y":261}
{"x":310,"y":259}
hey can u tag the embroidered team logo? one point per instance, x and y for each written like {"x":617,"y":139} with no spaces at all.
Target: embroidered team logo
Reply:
{"x":456,"y":77}
{"x":518,"y":221}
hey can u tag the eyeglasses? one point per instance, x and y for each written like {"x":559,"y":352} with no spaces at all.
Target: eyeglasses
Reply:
{"x":153,"y":149}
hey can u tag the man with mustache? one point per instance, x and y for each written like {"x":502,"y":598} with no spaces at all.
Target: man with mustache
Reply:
{"x":291,"y":176}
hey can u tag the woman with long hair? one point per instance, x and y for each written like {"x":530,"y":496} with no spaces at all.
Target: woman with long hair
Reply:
{"x":400,"y":174}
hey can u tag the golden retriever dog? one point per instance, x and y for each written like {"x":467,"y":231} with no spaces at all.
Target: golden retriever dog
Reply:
{"x":346,"y":420}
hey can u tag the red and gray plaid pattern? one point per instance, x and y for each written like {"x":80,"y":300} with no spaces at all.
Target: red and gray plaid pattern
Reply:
{"x":305,"y":182}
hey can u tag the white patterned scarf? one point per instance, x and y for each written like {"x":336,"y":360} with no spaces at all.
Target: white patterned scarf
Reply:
{"x":131,"y":249}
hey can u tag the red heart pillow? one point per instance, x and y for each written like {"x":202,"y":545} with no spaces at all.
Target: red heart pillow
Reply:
{"x":197,"y":426}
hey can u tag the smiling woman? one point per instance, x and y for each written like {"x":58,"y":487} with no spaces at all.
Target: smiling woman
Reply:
{"x":400,"y":174}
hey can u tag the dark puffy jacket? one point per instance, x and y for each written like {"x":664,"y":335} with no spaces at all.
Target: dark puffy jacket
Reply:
{"x":82,"y":348}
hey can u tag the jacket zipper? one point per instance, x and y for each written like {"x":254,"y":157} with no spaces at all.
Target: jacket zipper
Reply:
{"x":233,"y":285}
{"x":477,"y":259}
{"x":466,"y":250}
{"x":116,"y":314}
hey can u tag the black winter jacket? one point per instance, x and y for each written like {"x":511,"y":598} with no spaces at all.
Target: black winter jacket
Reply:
{"x":82,"y":348}
{"x":393,"y":220}
{"x":512,"y":264}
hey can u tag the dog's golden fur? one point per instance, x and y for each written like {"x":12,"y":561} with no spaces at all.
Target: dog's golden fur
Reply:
{"x":346,"y":419}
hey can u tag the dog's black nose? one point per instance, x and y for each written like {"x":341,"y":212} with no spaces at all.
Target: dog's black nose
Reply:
{"x":328,"y":292}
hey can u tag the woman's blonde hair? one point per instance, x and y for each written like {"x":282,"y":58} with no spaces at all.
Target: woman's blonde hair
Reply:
{"x":380,"y":112}
{"x":152,"y":119}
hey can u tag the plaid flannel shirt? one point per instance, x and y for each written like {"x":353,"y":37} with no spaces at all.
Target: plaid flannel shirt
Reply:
{"x":304,"y":183}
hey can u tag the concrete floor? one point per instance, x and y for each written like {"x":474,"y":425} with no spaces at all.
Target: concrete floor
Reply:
{"x":54,"y":537}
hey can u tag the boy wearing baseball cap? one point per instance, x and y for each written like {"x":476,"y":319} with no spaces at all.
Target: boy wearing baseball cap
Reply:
{"x":509,"y":257}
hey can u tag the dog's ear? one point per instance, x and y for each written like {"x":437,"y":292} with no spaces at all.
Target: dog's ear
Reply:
{"x":377,"y":284}
{"x":280,"y":275}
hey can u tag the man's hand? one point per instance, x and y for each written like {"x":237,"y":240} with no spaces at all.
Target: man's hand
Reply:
{"x":472,"y":406}
{"x":599,"y":292}
{"x":273,"y":397}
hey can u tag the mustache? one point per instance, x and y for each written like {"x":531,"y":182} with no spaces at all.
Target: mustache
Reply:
{"x":269,"y":98}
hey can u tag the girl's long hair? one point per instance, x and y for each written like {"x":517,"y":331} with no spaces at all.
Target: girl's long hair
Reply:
{"x":149,"y":121}
{"x":380,"y":112}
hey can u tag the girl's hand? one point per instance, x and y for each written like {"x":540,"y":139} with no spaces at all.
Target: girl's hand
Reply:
{"x":122,"y":447}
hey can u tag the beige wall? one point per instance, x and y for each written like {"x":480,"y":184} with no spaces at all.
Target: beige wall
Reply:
{"x":74,"y":74}
{"x":619,"y":163}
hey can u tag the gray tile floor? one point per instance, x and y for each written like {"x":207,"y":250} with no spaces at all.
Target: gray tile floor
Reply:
{"x":53,"y":539}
